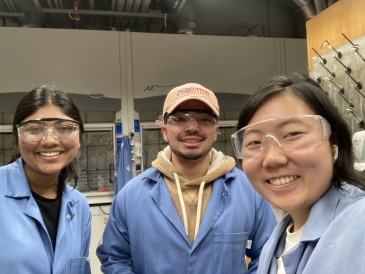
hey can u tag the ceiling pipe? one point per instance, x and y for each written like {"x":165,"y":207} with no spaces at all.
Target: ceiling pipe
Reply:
{"x":304,"y":10}
{"x":320,"y":5}
{"x":37,"y":5}
{"x":12,"y":14}
{"x":331,"y":2}
{"x":104,"y":13}
{"x":142,"y":22}
{"x":10,"y":5}
{"x":135,"y":8}
{"x":184,"y":16}
{"x":128,"y":8}
{"x":118,"y":20}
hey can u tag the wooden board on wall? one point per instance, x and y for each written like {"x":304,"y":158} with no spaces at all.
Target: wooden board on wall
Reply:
{"x":345,"y":16}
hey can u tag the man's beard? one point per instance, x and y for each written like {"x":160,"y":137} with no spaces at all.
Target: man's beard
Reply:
{"x":192,"y":155}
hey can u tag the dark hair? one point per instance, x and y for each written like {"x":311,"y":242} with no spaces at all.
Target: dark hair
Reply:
{"x":317,"y":100}
{"x":38,"y":98}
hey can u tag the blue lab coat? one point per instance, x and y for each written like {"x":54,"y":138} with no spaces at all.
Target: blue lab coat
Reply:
{"x":145,"y":235}
{"x":123,"y":171}
{"x":320,"y":224}
{"x":25,"y":246}
{"x":342,"y":248}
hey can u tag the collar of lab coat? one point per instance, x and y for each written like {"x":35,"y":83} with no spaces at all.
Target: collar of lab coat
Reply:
{"x":17,"y":185}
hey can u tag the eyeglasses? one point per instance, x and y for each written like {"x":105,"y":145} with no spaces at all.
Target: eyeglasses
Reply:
{"x":36,"y":130}
{"x":181,"y":119}
{"x":289,"y":133}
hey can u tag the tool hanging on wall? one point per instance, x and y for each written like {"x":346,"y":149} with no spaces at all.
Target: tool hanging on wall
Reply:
{"x":330,"y":72}
{"x":329,"y":46}
{"x":341,"y":91}
{"x":354,"y":46}
{"x":348,"y":69}
{"x":323,"y":59}
{"x":358,"y":83}
{"x":357,"y":119}
{"x":315,"y":75}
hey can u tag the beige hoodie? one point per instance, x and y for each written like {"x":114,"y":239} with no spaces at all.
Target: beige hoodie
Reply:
{"x":191,"y":197}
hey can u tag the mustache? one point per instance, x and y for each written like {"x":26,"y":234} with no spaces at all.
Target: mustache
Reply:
{"x":192,"y":134}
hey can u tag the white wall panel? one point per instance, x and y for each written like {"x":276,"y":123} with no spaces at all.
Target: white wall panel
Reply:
{"x":223,"y":64}
{"x":79,"y":61}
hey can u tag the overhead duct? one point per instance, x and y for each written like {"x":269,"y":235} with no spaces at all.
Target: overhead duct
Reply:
{"x":303,"y":11}
{"x":184,"y":15}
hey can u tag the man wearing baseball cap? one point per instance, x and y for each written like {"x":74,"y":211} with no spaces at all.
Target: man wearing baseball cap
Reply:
{"x":193,"y":211}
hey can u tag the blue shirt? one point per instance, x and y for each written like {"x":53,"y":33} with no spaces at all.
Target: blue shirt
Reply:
{"x":320,"y":224}
{"x":145,"y":235}
{"x":25,"y":246}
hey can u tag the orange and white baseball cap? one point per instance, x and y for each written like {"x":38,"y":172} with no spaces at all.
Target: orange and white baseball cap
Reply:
{"x":190,"y":91}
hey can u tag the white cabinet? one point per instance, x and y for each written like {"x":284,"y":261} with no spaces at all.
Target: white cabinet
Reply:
{"x":100,"y":215}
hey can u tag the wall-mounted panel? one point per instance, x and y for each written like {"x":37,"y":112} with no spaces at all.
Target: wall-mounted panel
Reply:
{"x":345,"y":16}
{"x":78,"y":61}
{"x":295,"y":56}
{"x":223,"y":64}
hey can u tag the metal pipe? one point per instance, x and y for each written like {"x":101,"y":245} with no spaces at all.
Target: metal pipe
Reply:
{"x":320,"y":5}
{"x":355,"y":47}
{"x":104,"y":12}
{"x":11,"y":4}
{"x":323,"y":59}
{"x":8,"y":5}
{"x":120,"y":5}
{"x":341,"y":89}
{"x":359,"y":92}
{"x":111,"y":8}
{"x":12,"y":14}
{"x":332,"y":73}
{"x":37,"y":5}
{"x":348,"y":69}
{"x":358,"y":83}
{"x":49,"y":4}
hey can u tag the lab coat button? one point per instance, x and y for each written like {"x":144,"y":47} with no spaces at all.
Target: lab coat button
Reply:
{"x":68,"y":216}
{"x":224,"y":193}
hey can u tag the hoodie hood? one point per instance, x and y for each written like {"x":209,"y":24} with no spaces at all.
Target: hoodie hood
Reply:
{"x":220,"y":165}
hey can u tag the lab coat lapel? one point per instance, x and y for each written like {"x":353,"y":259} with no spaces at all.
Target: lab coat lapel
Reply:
{"x":161,"y":195}
{"x":274,"y":247}
{"x":217,"y":202}
{"x":66,"y":215}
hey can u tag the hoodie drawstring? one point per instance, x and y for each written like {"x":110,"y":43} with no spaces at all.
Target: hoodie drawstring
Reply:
{"x":182,"y":204}
{"x":198,"y":211}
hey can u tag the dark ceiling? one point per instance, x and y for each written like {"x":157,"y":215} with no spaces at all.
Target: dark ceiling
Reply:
{"x":269,"y":18}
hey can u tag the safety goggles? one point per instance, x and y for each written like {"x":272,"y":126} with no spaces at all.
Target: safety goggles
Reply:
{"x":203,"y":120}
{"x":36,"y":130}
{"x":289,"y":133}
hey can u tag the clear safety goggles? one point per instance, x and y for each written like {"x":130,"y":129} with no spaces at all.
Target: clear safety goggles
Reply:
{"x":289,"y":133}
{"x":203,"y":120}
{"x":36,"y":130}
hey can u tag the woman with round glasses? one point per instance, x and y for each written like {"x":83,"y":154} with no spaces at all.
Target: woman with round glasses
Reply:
{"x":296,"y":151}
{"x":45,"y":223}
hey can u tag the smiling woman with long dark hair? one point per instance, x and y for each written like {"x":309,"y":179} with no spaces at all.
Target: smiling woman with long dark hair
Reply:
{"x":45,"y":223}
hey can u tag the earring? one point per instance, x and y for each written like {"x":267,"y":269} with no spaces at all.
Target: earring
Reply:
{"x":335,"y":152}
